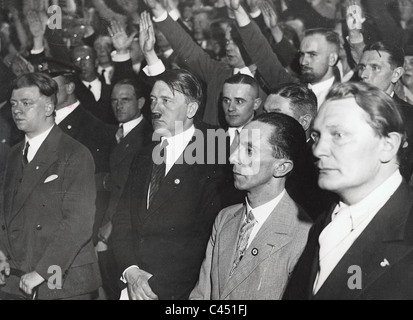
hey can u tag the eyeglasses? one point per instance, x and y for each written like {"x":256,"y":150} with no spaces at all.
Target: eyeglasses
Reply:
{"x":78,"y":60}
{"x":122,"y":102}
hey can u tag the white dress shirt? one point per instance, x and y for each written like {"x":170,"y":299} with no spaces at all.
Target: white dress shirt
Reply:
{"x":96,"y":88}
{"x":321,"y":89}
{"x":35,"y":143}
{"x":262,"y":213}
{"x":61,"y":114}
{"x":360,"y":215}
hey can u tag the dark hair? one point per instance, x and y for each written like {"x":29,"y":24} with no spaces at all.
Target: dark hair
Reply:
{"x":302,"y":99}
{"x":184,"y":82}
{"x":47,"y":86}
{"x":330,"y":35}
{"x":384,"y":114}
{"x":127,"y":81}
{"x":396,"y":53}
{"x":240,"y":78}
{"x":288,"y":136}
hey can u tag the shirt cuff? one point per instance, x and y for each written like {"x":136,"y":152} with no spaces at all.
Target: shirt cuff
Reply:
{"x":162,"y":17}
{"x":255,"y":14}
{"x":174,"y":14}
{"x":155,"y":69}
{"x":38,"y":51}
{"x":116,"y":57}
{"x":124,"y":272}
{"x":358,"y":40}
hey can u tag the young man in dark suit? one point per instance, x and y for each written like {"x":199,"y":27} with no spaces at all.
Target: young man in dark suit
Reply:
{"x":133,"y":134}
{"x":362,"y":248}
{"x":49,"y":201}
{"x":165,"y":215}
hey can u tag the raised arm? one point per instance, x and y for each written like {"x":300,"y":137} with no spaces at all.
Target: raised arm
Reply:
{"x":258,"y":48}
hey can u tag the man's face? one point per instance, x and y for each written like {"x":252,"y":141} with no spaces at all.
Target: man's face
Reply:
{"x":170,"y":110}
{"x":253,"y":159}
{"x":102,"y":47}
{"x":239,"y":102}
{"x":375,"y":69}
{"x":125,"y":105}
{"x":277,"y":103}
{"x":234,"y":56}
{"x":407,"y":77}
{"x":315,"y":54}
{"x":30,"y":110}
{"x":347,"y":148}
{"x":84,"y":59}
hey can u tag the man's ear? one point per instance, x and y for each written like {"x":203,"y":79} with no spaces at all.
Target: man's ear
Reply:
{"x":49,"y":109}
{"x":282,"y":168}
{"x":305,"y":121}
{"x":332,"y":61}
{"x":397,"y":74}
{"x":390,"y":147}
{"x":192,"y":109}
{"x":70,"y":88}
{"x":141,"y":102}
{"x":257,"y":103}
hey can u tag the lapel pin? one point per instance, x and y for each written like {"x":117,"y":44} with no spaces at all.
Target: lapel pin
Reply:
{"x":37,"y":168}
{"x":177,"y":181}
{"x":254,"y":252}
{"x":384,"y":263}
{"x":69,"y":127}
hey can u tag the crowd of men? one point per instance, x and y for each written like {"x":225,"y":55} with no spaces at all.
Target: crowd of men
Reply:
{"x":225,"y":150}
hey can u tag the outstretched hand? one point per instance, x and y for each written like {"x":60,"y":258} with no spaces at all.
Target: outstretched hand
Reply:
{"x":232,"y":4}
{"x":354,"y":16}
{"x":269,"y":15}
{"x":146,"y":33}
{"x":120,"y":39}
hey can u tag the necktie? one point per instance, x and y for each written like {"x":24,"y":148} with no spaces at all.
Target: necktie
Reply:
{"x":25,"y":153}
{"x":158,"y":172}
{"x":330,"y":239}
{"x":119,"y":134}
{"x":246,"y":229}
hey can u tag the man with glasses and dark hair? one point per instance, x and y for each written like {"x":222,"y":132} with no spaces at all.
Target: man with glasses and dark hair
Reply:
{"x":49,"y":202}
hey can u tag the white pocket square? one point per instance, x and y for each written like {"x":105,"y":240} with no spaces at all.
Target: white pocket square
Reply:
{"x":51,"y":178}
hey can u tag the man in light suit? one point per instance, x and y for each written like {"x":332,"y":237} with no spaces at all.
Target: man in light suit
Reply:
{"x":363,"y":247}
{"x":165,"y":214}
{"x":269,"y":147}
{"x":49,"y":202}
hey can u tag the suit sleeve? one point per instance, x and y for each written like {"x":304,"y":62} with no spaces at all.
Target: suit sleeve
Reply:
{"x":78,"y":210}
{"x":203,"y":288}
{"x":194,"y":57}
{"x":262,"y":55}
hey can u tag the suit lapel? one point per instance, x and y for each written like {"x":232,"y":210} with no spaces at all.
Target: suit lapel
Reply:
{"x":273,"y":235}
{"x":34,"y":171}
{"x":379,"y":242}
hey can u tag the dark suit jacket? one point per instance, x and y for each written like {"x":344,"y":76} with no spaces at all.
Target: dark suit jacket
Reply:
{"x":4,"y":151}
{"x":101,"y":109}
{"x":169,"y":239}
{"x":388,"y":236}
{"x":47,"y":216}
{"x":82,"y":126}
{"x":407,"y":113}
{"x":120,"y":162}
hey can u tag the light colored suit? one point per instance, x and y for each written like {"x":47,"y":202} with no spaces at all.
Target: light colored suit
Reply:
{"x":263,"y":272}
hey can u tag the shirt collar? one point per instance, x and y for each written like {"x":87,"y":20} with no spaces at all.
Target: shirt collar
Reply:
{"x":262,"y":212}
{"x":130,"y":125}
{"x":177,"y":144}
{"x":373,"y":202}
{"x":62,"y":113}
{"x":36,"y":142}
{"x":322,"y":86}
